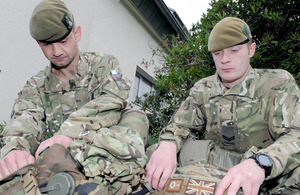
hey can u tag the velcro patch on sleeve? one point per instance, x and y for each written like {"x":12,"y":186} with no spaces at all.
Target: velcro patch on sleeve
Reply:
{"x":198,"y":187}
{"x":120,"y":82}
{"x":174,"y":185}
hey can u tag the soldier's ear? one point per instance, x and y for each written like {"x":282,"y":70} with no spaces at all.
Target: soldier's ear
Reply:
{"x":77,"y":33}
{"x":252,"y":48}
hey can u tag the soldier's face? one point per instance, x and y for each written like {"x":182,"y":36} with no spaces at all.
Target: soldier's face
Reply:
{"x":233,"y":63}
{"x":63,"y":53}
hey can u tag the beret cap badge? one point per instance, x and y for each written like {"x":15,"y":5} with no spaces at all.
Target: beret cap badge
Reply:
{"x":67,"y":22}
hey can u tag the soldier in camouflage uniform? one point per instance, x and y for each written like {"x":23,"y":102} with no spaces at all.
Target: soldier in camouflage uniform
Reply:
{"x":78,"y":101}
{"x":251,"y":120}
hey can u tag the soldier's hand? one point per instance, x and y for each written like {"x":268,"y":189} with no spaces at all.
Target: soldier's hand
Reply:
{"x":161,"y":165}
{"x":246,"y":175}
{"x":13,"y":161}
{"x":56,"y":139}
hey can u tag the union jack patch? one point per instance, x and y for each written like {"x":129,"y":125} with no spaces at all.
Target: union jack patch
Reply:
{"x":115,"y":75}
{"x":200,"y":187}
{"x":81,"y":134}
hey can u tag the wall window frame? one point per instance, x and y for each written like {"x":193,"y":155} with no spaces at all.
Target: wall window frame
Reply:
{"x":143,"y":83}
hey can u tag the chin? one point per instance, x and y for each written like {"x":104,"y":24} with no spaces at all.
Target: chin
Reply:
{"x":59,"y":66}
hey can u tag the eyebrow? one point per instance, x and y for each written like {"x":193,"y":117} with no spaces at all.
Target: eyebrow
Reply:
{"x":217,"y":51}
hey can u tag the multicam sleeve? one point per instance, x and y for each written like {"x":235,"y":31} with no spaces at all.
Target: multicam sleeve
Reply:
{"x":190,"y":116}
{"x":25,"y":129}
{"x":101,"y":112}
{"x":285,"y":129}
{"x":296,"y":117}
{"x":137,"y":120}
{"x":107,"y":78}
{"x":109,"y":90}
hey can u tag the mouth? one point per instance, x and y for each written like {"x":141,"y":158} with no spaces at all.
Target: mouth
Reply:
{"x":59,"y":59}
{"x":226,"y":69}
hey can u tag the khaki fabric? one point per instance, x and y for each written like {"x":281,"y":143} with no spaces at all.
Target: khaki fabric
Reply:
{"x":51,"y":21}
{"x":258,"y":115}
{"x":228,"y":32}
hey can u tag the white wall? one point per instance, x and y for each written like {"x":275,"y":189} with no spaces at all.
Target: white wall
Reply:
{"x":107,"y":26}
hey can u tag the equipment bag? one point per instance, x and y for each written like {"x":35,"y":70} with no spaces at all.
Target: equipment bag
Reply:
{"x":54,"y":173}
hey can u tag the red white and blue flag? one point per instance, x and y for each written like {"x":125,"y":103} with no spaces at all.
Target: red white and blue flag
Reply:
{"x":200,"y":187}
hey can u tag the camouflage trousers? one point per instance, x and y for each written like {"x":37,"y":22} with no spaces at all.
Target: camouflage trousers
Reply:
{"x":205,"y":171}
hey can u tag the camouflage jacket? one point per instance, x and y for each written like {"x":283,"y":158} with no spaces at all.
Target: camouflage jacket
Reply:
{"x":261,"y":114}
{"x":46,"y":102}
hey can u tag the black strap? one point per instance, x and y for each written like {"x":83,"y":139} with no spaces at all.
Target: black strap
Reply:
{"x":142,"y":192}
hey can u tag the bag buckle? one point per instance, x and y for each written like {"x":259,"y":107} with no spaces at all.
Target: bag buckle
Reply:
{"x":30,"y":184}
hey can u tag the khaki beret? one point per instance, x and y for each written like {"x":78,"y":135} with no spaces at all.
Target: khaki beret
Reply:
{"x":228,"y":32}
{"x":51,"y":21}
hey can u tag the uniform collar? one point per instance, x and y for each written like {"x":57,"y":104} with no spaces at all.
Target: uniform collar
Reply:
{"x":245,"y":88}
{"x":52,"y":84}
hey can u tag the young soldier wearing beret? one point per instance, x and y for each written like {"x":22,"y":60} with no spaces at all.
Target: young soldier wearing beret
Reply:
{"x":251,"y":117}
{"x":79,"y":92}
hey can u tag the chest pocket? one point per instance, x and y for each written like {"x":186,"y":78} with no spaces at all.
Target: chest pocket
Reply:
{"x":220,"y":115}
{"x":59,"y":105}
{"x":237,"y":122}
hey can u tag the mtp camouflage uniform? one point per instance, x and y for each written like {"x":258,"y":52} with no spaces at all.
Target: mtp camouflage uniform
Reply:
{"x":91,"y":109}
{"x":259,"y":115}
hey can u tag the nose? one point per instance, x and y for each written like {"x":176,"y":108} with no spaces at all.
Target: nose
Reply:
{"x":56,"y":49}
{"x":225,"y":58}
